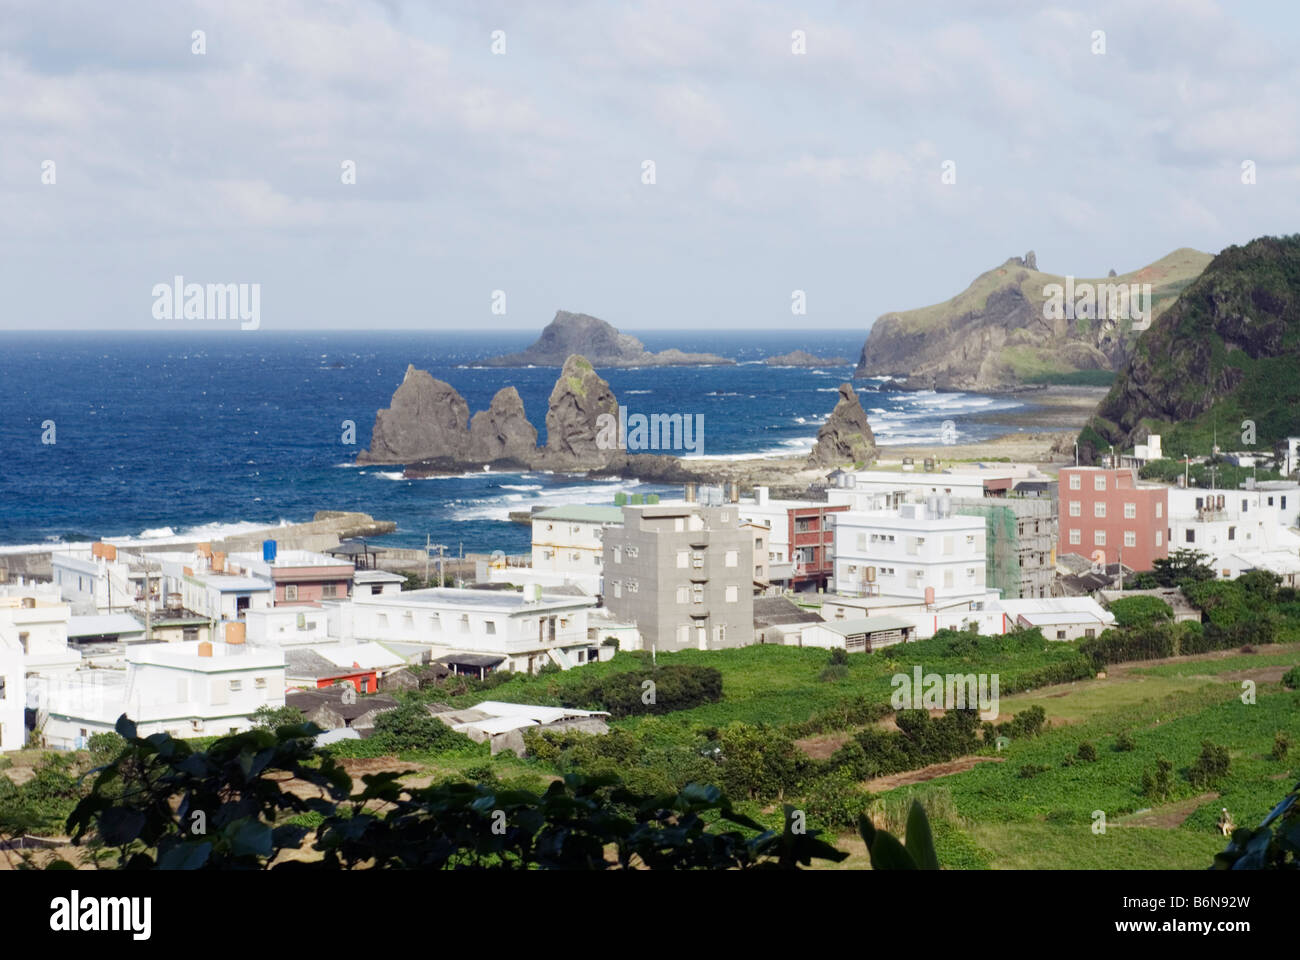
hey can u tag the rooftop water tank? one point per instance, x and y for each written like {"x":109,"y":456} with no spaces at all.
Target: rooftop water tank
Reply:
{"x":268,"y":551}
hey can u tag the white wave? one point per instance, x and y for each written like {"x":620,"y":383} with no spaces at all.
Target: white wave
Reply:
{"x":349,"y":466}
{"x":157,"y":533}
{"x":390,"y":474}
{"x":627,"y":392}
{"x":521,"y":486}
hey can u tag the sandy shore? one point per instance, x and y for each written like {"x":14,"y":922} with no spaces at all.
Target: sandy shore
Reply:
{"x":1052,"y":418}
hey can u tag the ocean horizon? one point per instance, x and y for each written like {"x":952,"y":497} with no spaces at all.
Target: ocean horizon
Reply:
{"x":201,"y":435}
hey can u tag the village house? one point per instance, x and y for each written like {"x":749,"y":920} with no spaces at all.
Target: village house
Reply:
{"x":182,"y":689}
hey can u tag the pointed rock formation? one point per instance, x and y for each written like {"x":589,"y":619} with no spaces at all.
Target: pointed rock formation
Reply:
{"x":579,"y":398}
{"x":502,"y":431}
{"x":425,"y":420}
{"x":846,"y":436}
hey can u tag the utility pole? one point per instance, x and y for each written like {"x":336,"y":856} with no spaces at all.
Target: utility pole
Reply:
{"x":426,"y":559}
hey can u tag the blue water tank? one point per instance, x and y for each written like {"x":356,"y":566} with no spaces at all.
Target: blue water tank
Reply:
{"x":268,"y":551}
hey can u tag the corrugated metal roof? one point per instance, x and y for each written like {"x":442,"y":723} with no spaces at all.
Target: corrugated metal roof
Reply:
{"x":582,"y":514}
{"x":868,"y":625}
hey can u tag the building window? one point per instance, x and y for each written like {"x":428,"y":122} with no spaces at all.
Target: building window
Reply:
{"x":731,"y":558}
{"x":683,"y":594}
{"x":236,"y":685}
{"x":22,"y":640}
{"x":1060,"y":634}
{"x":1099,"y":509}
{"x":632,"y":586}
{"x":1076,"y":536}
{"x":2,"y":688}
{"x":1099,"y":483}
{"x":618,"y":589}
{"x":683,"y":559}
{"x":1232,"y":533}
{"x":1160,"y":538}
{"x":1191,"y":536}
{"x":631,"y":553}
{"x":1076,"y":508}
{"x":733,"y":594}
{"x":698,"y":591}
{"x":1099,"y":538}
{"x":1090,"y":633}
{"x":1130,"y":511}
{"x":618,"y":554}
{"x":1075,"y":481}
{"x":464,"y":623}
{"x":259,"y":683}
{"x":329,"y":590}
{"x":1160,"y":509}
{"x":291,"y":591}
{"x":490,"y":626}
{"x":1130,"y":538}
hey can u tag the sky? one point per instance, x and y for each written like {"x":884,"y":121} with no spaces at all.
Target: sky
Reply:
{"x":500,"y":155}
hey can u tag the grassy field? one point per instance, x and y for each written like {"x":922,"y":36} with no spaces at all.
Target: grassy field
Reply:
{"x":1046,"y":821}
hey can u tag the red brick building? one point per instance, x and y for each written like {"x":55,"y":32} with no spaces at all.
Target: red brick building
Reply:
{"x":1106,"y":511}
{"x":812,"y":545}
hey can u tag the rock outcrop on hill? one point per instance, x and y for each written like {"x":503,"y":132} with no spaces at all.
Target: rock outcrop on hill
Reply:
{"x":426,"y":418}
{"x":1225,"y":353}
{"x":502,"y":431}
{"x":1001,"y":332}
{"x":802,"y":358}
{"x":599,"y":342}
{"x":846,"y":436}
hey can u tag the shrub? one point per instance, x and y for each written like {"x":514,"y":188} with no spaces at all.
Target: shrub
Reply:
{"x":1030,"y":770}
{"x":656,"y":690}
{"x":1281,"y":744}
{"x":1291,"y":679}
{"x":834,"y":673}
{"x":1140,"y":611}
{"x":1125,"y":742}
{"x":1159,"y":785}
{"x":835,"y":800}
{"x":1210,"y":767}
{"x":411,"y":727}
{"x":839,"y":656}
{"x":1087,"y":752}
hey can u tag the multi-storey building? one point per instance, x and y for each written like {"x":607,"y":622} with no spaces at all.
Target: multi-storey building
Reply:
{"x":1020,"y":539}
{"x":917,"y":552}
{"x":1107,"y":515}
{"x":512,"y":630}
{"x":182,"y":689}
{"x":683,"y":573}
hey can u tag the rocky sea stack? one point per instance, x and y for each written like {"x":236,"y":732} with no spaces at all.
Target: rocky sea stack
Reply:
{"x":846,"y":436}
{"x":598,"y":341}
{"x":425,"y":419}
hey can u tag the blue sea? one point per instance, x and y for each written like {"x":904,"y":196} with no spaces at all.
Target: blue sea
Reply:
{"x":200,"y":435}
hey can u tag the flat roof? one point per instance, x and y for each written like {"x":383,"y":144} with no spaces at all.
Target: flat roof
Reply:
{"x":582,"y":514}
{"x":100,"y":625}
{"x":876,"y":624}
{"x":510,"y":601}
{"x":377,"y":576}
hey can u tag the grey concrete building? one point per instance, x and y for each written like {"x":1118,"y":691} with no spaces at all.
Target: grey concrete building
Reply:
{"x":1021,"y":532}
{"x":683,"y":573}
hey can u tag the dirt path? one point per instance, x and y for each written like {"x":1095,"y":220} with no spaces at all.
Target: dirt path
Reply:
{"x":933,"y":771}
{"x":1168,"y":816}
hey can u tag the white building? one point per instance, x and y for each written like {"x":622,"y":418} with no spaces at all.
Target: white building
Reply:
{"x":34,"y":620}
{"x":221,"y":596}
{"x":288,"y":626}
{"x":13,"y":696}
{"x":99,"y":579}
{"x":521,"y":632}
{"x":1059,"y":618}
{"x":1228,"y":523}
{"x":860,"y":490}
{"x":376,"y":583}
{"x":910,"y":553}
{"x":182,"y":689}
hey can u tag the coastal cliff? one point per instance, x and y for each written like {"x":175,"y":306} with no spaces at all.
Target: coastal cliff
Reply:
{"x":1001,"y":332}
{"x":1225,"y":354}
{"x":598,"y":341}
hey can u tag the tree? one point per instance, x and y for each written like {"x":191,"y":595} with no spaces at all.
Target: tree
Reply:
{"x":267,"y":717}
{"x":1140,"y":611}
{"x":1182,"y":564}
{"x":247,"y":819}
